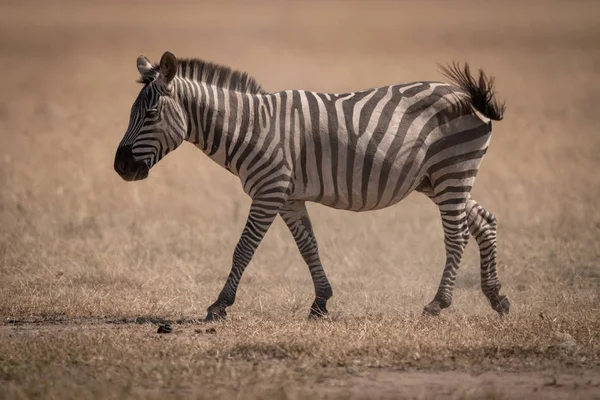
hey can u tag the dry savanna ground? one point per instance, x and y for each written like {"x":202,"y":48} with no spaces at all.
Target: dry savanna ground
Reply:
{"x":90,"y":264}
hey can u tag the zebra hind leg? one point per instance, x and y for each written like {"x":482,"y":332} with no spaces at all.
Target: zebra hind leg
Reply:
{"x":297,"y":220}
{"x":456,"y":235}
{"x":482,"y":225}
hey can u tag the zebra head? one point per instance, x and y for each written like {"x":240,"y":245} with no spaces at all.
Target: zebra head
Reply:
{"x":157,"y":123}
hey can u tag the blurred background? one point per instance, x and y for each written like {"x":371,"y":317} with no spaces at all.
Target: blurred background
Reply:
{"x":76,"y":241}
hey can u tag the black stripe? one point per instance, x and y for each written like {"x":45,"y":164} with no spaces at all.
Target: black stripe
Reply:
{"x":211,"y":104}
{"x":233,"y":126}
{"x":454,"y":189}
{"x":263,"y":114}
{"x":332,"y":131}
{"x":243,"y":126}
{"x":315,"y":136}
{"x":367,"y":110}
{"x":204,"y":94}
{"x":408,"y":93}
{"x":282,"y":116}
{"x":351,"y":146}
{"x":218,"y":131}
{"x":457,"y":200}
{"x":470,"y":173}
{"x":455,"y":160}
{"x":297,"y":106}
{"x":254,"y":135}
{"x":183,"y":69}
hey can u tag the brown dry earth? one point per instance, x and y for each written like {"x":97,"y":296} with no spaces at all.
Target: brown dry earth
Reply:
{"x":89,"y":264}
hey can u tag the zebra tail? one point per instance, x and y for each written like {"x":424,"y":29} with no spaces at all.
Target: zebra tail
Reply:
{"x":481,"y":92}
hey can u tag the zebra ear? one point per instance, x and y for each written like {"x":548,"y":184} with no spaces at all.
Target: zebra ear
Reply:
{"x":168,"y":66}
{"x":145,"y":68}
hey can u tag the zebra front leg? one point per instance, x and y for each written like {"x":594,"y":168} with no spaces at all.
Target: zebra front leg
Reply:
{"x":297,"y":220}
{"x":482,"y":225}
{"x":456,"y":235}
{"x":260,"y":218}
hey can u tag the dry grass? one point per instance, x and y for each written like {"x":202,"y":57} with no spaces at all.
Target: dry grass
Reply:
{"x":259,"y":356}
{"x":80,"y":250}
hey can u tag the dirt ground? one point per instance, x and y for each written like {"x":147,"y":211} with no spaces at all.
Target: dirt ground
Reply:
{"x":91,"y":265}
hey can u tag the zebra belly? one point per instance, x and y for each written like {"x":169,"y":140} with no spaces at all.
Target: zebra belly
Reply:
{"x":372,"y":184}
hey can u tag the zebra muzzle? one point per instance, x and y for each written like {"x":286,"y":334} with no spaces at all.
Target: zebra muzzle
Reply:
{"x":127,"y":167}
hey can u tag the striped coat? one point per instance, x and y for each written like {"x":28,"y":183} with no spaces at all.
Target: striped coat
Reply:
{"x":356,"y":151}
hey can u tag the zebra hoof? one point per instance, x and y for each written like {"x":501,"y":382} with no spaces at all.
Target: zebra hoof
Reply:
{"x":501,"y":305}
{"x":317,"y":315}
{"x":318,"y":310}
{"x":216,"y":315}
{"x":432,"y":309}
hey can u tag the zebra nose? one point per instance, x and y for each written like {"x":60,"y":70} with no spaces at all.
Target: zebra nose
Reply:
{"x":123,"y":160}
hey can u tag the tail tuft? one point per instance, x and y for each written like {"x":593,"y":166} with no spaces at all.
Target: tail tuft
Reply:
{"x":481,"y":94}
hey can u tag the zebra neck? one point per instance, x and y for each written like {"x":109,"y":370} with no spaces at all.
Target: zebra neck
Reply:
{"x":223,"y":122}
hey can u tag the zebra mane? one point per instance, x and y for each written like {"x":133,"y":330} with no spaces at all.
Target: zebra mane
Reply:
{"x":213,"y":74}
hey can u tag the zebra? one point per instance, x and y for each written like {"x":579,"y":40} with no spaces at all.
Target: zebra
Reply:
{"x":358,"y":151}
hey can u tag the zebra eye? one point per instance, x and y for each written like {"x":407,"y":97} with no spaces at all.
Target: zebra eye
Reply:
{"x":153,"y":112}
